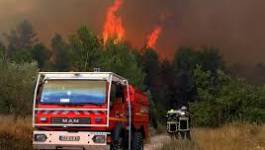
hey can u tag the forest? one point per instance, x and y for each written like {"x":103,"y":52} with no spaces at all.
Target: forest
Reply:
{"x":197,"y":78}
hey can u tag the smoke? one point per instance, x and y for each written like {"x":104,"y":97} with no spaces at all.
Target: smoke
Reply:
{"x":236,"y":27}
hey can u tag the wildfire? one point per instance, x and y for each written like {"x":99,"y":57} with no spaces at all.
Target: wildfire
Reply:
{"x":152,"y":38}
{"x":113,"y":27}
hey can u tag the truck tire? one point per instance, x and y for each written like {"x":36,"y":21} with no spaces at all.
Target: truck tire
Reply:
{"x":117,"y":138}
{"x":137,"y":141}
{"x":116,"y":145}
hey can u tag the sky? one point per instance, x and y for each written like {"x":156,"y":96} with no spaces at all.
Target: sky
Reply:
{"x":236,"y":27}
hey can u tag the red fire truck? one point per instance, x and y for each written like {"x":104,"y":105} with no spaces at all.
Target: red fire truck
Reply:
{"x":88,"y":110}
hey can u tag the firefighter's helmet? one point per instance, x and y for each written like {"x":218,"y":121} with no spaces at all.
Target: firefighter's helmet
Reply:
{"x":183,"y":108}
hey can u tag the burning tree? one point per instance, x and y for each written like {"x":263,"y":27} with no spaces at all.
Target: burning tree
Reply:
{"x":153,"y":37}
{"x":113,"y":27}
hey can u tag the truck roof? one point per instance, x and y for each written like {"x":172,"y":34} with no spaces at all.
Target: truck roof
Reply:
{"x":109,"y":76}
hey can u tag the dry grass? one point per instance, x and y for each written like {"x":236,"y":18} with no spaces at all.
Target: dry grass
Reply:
{"x":235,"y":136}
{"x":15,"y":134}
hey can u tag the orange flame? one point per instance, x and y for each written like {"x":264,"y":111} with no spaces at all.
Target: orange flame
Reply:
{"x":152,"y":38}
{"x":113,"y":27}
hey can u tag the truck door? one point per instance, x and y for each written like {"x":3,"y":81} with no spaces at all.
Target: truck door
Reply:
{"x":117,"y":104}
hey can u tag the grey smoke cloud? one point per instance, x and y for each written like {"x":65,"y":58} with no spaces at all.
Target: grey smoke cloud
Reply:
{"x":234,"y":26}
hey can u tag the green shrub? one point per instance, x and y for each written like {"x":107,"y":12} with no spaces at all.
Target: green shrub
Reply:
{"x":17,"y":85}
{"x":229,"y":100}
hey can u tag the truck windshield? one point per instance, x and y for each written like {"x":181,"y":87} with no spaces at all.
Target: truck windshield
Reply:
{"x":73,"y":92}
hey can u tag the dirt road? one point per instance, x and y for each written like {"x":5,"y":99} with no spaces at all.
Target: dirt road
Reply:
{"x":156,"y":142}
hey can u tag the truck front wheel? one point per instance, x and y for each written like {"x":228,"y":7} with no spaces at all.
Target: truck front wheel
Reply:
{"x":137,"y":141}
{"x":117,"y":145}
{"x":117,"y":138}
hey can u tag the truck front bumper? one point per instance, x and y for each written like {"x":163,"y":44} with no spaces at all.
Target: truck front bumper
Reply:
{"x":81,"y":147}
{"x":70,"y":140}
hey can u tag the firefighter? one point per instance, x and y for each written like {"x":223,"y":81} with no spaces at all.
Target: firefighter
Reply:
{"x":184,"y":121}
{"x":178,"y":123}
{"x":172,"y":123}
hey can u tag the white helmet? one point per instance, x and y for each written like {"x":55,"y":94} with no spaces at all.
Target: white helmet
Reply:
{"x":183,"y":108}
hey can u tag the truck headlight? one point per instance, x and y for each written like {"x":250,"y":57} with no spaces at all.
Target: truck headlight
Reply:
{"x":40,"y":137}
{"x":99,"y":139}
{"x":43,"y":119}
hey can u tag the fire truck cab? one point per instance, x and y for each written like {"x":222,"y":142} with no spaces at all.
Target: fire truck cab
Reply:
{"x":88,"y":110}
